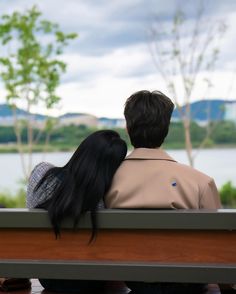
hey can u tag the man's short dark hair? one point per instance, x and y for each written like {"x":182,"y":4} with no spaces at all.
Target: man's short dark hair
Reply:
{"x":147,"y":117}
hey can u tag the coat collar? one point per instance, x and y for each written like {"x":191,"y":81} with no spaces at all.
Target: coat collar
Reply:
{"x":149,"y":153}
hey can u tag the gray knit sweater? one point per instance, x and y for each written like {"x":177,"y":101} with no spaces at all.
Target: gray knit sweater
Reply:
{"x":33,"y":199}
{"x":44,"y":192}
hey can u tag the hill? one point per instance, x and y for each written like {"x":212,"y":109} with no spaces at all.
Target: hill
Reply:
{"x":6,"y":111}
{"x":77,"y":118}
{"x":201,"y":111}
{"x":205,"y":110}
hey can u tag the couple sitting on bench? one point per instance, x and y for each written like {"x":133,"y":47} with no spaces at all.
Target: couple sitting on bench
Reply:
{"x":99,"y":175}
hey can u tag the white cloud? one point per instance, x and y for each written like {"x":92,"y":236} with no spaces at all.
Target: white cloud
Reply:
{"x":130,"y":60}
{"x":106,"y":95}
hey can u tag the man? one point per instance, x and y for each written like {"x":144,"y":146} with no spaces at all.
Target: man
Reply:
{"x":150,"y":178}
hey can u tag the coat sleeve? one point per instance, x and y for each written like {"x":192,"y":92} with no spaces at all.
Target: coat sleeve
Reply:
{"x":210,"y":198}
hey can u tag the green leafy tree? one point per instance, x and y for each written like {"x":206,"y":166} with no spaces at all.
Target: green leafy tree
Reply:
{"x":30,"y":68}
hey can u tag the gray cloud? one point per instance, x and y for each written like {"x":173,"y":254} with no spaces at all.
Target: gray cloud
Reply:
{"x":111,"y":53}
{"x":105,"y":26}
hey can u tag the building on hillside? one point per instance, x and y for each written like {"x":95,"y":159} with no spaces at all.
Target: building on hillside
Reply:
{"x":78,"y":119}
{"x":7,"y":118}
{"x":111,"y":122}
{"x":8,"y":121}
{"x":230,"y":111}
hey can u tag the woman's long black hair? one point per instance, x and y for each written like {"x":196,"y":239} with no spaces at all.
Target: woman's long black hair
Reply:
{"x":85,"y":179}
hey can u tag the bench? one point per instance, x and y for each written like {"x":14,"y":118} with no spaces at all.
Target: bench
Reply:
{"x":138,"y":245}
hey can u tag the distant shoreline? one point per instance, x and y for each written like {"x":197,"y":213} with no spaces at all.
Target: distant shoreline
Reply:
{"x":12,"y":148}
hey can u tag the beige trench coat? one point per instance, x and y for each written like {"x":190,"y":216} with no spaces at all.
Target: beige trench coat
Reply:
{"x":150,"y":178}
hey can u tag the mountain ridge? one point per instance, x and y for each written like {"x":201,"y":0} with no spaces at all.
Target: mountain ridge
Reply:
{"x":201,"y":110}
{"x":206,"y":109}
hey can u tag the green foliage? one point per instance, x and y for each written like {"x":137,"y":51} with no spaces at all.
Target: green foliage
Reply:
{"x":228,"y":195}
{"x":68,"y":137}
{"x":7,"y":135}
{"x":176,"y":134}
{"x":198,"y":133}
{"x":31,"y":69}
{"x":208,"y":143}
{"x":124,"y":135}
{"x":73,"y":135}
{"x":13,"y":201}
{"x":63,"y":138}
{"x":224,"y":132}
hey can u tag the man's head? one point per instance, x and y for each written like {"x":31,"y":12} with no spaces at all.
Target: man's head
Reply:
{"x":147,"y":117}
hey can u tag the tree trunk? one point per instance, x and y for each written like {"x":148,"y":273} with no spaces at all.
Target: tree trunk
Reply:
{"x":29,"y":137}
{"x":188,"y":142}
{"x":19,"y":142}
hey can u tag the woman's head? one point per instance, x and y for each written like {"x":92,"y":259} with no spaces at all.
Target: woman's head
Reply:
{"x":86,"y":178}
{"x":102,"y":152}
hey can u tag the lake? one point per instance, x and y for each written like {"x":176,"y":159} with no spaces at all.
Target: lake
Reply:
{"x":220,"y":164}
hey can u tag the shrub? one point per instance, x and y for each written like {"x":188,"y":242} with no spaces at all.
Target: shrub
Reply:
{"x":9,"y":201}
{"x":228,"y":195}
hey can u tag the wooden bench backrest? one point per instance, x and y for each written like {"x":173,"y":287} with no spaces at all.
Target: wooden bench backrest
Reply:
{"x":177,"y":243}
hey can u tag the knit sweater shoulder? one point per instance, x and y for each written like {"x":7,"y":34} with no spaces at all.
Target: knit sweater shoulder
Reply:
{"x":44,"y":192}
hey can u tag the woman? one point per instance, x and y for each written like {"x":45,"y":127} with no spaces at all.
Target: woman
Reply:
{"x":76,"y":188}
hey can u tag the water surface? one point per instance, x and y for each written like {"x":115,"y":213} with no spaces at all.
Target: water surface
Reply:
{"x":217,"y":163}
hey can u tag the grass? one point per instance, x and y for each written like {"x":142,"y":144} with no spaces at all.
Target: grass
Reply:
{"x":9,"y":200}
{"x":38,"y":148}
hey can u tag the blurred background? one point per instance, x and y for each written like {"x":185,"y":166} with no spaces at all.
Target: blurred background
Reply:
{"x":67,"y":68}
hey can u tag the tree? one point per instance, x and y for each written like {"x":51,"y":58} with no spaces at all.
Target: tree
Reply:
{"x":183,"y":51}
{"x":30,"y":68}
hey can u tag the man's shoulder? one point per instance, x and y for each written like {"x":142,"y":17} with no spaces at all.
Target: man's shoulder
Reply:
{"x":132,"y":169}
{"x":191,"y":171}
{"x":159,"y":181}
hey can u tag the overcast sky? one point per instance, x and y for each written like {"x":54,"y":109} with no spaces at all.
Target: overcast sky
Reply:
{"x":110,"y":60}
